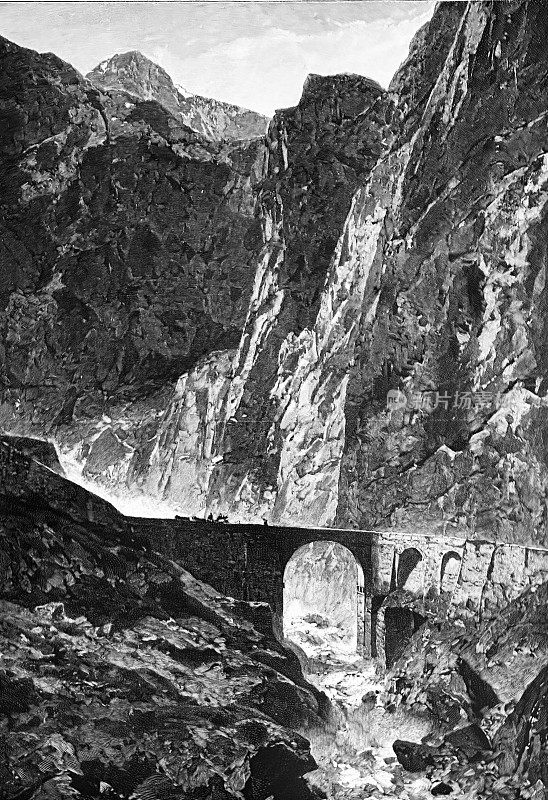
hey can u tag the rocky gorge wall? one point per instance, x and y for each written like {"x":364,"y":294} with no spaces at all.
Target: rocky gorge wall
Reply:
{"x":214,"y":447}
{"x":435,"y":291}
{"x":460,"y":301}
{"x":397,"y":245}
{"x":129,"y":244}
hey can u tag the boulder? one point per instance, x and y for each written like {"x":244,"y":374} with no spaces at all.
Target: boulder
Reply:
{"x":415,"y":757}
{"x":471,"y":740}
{"x":441,"y":789}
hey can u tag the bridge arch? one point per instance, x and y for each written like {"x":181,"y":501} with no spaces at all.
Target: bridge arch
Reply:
{"x":324,"y":585}
{"x":410,"y":570}
{"x":449,"y":571}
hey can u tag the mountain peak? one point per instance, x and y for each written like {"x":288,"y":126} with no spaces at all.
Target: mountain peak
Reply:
{"x":135,"y":73}
{"x":135,"y":57}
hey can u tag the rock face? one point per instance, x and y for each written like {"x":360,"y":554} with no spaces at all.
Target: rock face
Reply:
{"x":124,"y":676}
{"x":434,"y":292}
{"x":486,"y":687}
{"x":219,"y":443}
{"x":134,"y":73}
{"x":398,"y":247}
{"x":128,"y":246}
{"x":458,"y":302}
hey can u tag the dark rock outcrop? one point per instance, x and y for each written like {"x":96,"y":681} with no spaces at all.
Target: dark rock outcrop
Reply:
{"x":39,"y":450}
{"x":441,"y":789}
{"x":486,"y":688}
{"x":414,"y":757}
{"x":121,"y":673}
{"x":128,"y":244}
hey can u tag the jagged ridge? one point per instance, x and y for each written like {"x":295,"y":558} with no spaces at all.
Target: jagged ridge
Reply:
{"x":140,"y":76}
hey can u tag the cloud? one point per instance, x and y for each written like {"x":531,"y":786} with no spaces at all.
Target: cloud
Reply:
{"x":267,"y":71}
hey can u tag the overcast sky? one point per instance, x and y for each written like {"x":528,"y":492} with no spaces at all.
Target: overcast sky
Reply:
{"x":255,"y":54}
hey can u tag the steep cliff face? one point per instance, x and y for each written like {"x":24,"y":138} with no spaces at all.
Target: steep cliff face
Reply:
{"x":277,"y":424}
{"x":219,"y":444}
{"x":136,"y":74}
{"x":435,"y":293}
{"x":444,"y":232}
{"x":458,"y":307}
{"x":129,"y":245}
{"x":399,"y":248}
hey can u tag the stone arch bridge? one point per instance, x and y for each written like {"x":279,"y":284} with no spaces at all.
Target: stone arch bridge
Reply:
{"x":399,"y":573}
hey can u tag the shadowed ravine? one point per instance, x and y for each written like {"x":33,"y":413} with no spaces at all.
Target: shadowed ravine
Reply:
{"x":354,"y":750}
